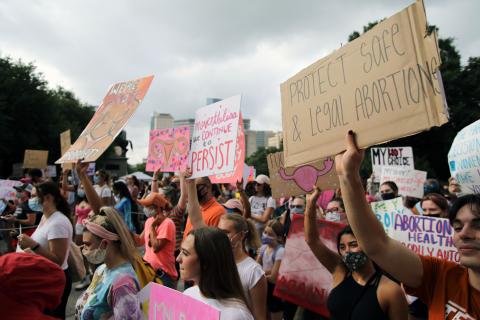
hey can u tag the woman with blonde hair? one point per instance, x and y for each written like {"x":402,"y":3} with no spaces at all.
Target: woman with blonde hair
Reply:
{"x":107,"y":241}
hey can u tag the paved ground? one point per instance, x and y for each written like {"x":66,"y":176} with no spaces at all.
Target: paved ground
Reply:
{"x":72,"y":299}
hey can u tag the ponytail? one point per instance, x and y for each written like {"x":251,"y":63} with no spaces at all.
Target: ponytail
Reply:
{"x":240,"y":224}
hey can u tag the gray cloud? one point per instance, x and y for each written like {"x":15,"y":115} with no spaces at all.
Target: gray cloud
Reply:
{"x":198,"y":49}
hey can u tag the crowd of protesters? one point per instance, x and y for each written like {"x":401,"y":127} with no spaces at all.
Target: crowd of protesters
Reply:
{"x":224,"y":244}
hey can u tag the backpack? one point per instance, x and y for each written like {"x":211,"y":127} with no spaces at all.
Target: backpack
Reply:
{"x":145,"y":272}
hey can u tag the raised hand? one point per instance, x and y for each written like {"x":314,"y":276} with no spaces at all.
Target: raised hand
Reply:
{"x":348,"y":162}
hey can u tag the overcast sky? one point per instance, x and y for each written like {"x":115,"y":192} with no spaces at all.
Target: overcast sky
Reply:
{"x":199,"y":49}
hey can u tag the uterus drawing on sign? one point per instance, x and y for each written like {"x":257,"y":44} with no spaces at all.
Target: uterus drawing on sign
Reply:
{"x":169,"y":149}
{"x":305,"y":177}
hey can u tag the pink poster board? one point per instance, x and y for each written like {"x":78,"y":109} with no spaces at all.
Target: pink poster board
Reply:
{"x":168,"y":149}
{"x":237,"y":173}
{"x":166,"y":303}
{"x":302,"y":279}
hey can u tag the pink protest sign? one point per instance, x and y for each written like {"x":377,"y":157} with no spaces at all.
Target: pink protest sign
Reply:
{"x":166,"y":303}
{"x":168,"y":149}
{"x":6,"y":189}
{"x":237,"y":173}
{"x":302,"y":279}
{"x":214,"y":140}
{"x":325,"y":197}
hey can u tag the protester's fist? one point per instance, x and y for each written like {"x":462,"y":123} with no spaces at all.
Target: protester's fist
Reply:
{"x":240,"y":185}
{"x":25,"y":241}
{"x":81,"y":167}
{"x":188,"y":174}
{"x":348,"y":162}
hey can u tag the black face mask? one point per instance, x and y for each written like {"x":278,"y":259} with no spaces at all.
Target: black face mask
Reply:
{"x":388,"y":196}
{"x":201,"y":193}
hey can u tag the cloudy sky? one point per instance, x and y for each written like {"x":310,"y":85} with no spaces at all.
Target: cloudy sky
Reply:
{"x":199,"y":49}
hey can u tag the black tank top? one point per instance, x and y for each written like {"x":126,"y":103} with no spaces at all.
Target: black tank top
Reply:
{"x":351,"y":301}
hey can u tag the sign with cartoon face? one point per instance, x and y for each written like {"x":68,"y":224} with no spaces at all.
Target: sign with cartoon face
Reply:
{"x":118,"y":106}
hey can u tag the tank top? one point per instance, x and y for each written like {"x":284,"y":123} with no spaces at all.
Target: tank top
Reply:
{"x":351,"y":301}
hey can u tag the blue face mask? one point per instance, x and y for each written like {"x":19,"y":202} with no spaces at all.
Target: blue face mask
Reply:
{"x":35,"y":204}
{"x":81,"y":193}
{"x":268,"y":240}
{"x":297,"y":210}
{"x":96,"y":179}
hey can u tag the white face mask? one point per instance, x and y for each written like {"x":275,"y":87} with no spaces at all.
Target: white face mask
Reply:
{"x":149,"y":212}
{"x":95,"y":256}
{"x":332,"y":216}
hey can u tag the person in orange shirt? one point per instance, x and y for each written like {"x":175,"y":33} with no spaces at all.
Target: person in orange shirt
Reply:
{"x":450,"y":290}
{"x":211,"y":209}
{"x":159,"y":238}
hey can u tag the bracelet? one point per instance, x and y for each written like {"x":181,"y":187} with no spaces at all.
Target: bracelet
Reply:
{"x":35,"y":247}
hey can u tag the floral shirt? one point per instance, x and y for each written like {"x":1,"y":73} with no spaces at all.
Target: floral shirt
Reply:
{"x":111,"y":295}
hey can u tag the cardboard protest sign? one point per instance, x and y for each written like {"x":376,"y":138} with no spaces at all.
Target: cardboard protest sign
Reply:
{"x":424,"y":235}
{"x":65,"y":143}
{"x":91,"y":169}
{"x":166,"y":303}
{"x":117,"y":107}
{"x":168,"y":149}
{"x":237,"y":173}
{"x":35,"y":159}
{"x":409,"y":182}
{"x":392,"y":157}
{"x":383,"y":85}
{"x":287,"y":182}
{"x":464,"y":158}
{"x":6,"y":189}
{"x":50,"y":171}
{"x":302,"y":279}
{"x":214,"y":141}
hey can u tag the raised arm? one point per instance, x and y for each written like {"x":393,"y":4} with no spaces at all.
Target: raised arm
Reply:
{"x":194,"y":210}
{"x":327,"y":257}
{"x":155,"y":181}
{"x":394,"y":258}
{"x":92,"y":196}
{"x":65,"y":186}
{"x":182,"y":201}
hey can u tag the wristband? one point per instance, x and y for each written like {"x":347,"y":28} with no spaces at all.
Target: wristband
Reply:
{"x":35,"y":247}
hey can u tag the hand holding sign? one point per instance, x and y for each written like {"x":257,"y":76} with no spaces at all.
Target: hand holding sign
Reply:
{"x":348,"y":162}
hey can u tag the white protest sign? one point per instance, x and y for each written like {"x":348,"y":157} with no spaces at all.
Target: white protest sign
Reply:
{"x":409,"y":182}
{"x":424,"y":235}
{"x":6,"y":189}
{"x":214,"y":139}
{"x":399,"y":157}
{"x":464,"y":158}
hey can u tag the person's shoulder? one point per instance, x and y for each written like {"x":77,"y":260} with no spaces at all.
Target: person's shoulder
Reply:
{"x":193,"y":292}
{"x":441,"y":264}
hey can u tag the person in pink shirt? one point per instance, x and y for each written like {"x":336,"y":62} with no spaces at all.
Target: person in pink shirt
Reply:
{"x":159,"y":238}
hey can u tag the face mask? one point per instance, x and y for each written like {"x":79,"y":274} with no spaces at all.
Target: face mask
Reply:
{"x":355,"y":260}
{"x":435,"y":215}
{"x":81,"y":193}
{"x":201,"y":193}
{"x":149,"y":212}
{"x":35,"y":204}
{"x":95,"y":256}
{"x":332,"y":216}
{"x":297,"y":210}
{"x":96,"y":179}
{"x":388,"y":196}
{"x":268,"y":240}
{"x":234,"y":244}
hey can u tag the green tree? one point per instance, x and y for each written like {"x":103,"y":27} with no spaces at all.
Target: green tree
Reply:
{"x":259,"y":159}
{"x":462,"y":92}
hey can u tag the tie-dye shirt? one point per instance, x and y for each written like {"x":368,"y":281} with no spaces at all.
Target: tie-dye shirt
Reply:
{"x":111,"y":295}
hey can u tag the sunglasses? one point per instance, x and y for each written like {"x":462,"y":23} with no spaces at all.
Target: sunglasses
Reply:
{"x":296,"y":206}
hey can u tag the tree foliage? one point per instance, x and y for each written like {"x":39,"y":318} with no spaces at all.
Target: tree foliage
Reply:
{"x":259,"y":159}
{"x":33,"y":115}
{"x":430,"y":148}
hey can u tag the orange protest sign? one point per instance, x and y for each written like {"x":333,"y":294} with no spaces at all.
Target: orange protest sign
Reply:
{"x":117,"y":107}
{"x":35,"y":159}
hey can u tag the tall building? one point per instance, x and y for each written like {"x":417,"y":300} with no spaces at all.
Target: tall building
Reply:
{"x":161,"y":121}
{"x":256,"y":139}
{"x":276,"y":140}
{"x":185,"y":122}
